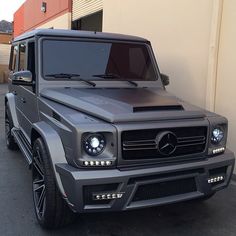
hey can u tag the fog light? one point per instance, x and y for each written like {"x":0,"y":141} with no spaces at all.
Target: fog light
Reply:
{"x":107,"y":196}
{"x":215,"y":179}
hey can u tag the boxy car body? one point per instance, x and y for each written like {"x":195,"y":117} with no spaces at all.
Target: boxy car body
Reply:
{"x":114,"y":138}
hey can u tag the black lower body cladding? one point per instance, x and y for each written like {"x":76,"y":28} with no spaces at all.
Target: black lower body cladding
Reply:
{"x":118,"y":190}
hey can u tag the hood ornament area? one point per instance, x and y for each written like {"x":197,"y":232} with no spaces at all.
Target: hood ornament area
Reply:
{"x":166,"y":143}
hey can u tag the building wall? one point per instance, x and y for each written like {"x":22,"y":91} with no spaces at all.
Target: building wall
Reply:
{"x":61,"y":22}
{"x":5,"y":38}
{"x":4,"y":54}
{"x":18,"y":26}
{"x":4,"y":61}
{"x":180,"y":35}
{"x":225,"y":90}
{"x":30,"y":16}
{"x":194,"y":42}
{"x":5,"y":48}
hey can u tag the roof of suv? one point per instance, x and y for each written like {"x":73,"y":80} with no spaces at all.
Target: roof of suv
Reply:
{"x":78,"y":34}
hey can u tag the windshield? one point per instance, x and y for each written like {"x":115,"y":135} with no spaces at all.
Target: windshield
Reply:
{"x":97,"y":60}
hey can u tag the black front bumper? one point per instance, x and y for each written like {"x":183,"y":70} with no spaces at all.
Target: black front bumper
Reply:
{"x":144,"y":187}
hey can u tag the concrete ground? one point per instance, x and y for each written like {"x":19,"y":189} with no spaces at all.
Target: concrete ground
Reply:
{"x":215,"y":217}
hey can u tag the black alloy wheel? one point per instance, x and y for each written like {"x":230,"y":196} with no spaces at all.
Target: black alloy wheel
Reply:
{"x":50,"y":208}
{"x":39,"y":191}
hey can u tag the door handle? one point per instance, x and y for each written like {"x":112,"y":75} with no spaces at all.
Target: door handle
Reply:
{"x":23,"y":100}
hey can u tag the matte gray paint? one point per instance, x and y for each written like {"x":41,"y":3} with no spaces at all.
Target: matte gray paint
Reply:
{"x":54,"y":147}
{"x":79,"y":179}
{"x":115,"y":110}
{"x":80,"y":112}
{"x":10,"y":98}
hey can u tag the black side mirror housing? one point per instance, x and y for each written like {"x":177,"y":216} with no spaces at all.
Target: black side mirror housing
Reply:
{"x":165,"y":79}
{"x":24,"y":78}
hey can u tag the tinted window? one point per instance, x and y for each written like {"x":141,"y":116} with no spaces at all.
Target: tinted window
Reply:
{"x":14,"y":58}
{"x":31,"y":58}
{"x":22,"y":57}
{"x":89,"y":59}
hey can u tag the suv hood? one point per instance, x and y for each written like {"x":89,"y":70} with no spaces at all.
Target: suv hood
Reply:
{"x":124,"y":105}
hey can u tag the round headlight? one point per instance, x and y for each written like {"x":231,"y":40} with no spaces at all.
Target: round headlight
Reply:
{"x":94,"y":144}
{"x":217,"y":135}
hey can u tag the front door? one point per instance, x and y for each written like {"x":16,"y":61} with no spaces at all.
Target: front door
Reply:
{"x":26,"y":100}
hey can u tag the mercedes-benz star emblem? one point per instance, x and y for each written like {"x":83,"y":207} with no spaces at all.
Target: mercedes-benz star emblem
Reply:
{"x":166,"y":143}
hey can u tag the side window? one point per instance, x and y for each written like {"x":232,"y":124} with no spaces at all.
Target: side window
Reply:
{"x":13,"y":60}
{"x":31,"y":58}
{"x":22,"y":57}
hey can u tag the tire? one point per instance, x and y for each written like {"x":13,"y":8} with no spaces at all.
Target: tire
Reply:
{"x":10,"y":141}
{"x":51,"y":210}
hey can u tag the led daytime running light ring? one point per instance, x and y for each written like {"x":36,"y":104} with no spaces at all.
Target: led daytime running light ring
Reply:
{"x":94,"y":144}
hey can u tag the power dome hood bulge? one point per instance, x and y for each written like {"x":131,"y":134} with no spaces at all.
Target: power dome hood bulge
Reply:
{"x":123,"y":105}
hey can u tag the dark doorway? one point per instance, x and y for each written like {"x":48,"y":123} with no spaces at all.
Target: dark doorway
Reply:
{"x":90,"y":23}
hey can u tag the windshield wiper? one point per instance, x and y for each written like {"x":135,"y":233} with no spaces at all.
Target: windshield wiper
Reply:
{"x":115,"y":76}
{"x":132,"y":82}
{"x":108,"y":76}
{"x":71,"y":77}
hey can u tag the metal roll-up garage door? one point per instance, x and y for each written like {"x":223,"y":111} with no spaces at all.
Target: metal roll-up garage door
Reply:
{"x":82,"y":8}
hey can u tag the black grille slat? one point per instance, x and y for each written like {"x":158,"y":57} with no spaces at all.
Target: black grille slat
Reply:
{"x":143,"y":144}
{"x":165,"y":189}
{"x":191,"y":144}
{"x":191,"y":139}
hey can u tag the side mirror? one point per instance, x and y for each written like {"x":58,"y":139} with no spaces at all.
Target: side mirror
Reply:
{"x":22,"y":78}
{"x":165,"y":79}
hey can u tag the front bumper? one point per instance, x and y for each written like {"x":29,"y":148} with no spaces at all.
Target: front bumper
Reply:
{"x":145,"y":187}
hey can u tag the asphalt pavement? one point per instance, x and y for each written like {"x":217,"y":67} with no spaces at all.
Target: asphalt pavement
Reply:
{"x":215,"y":217}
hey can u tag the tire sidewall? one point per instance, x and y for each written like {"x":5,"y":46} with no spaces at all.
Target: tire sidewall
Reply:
{"x":10,"y":141}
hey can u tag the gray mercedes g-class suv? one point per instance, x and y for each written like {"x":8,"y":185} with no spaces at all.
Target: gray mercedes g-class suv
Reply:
{"x":91,"y":115}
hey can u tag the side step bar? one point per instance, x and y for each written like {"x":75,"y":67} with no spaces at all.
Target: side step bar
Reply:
{"x":23,"y":144}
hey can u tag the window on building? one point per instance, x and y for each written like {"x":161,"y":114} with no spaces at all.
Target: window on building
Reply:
{"x":22,"y":56}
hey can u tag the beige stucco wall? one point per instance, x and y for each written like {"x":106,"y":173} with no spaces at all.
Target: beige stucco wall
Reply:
{"x":60,"y":22}
{"x":180,"y":34}
{"x":4,"y":61}
{"x":194,"y":42}
{"x":226,"y":74}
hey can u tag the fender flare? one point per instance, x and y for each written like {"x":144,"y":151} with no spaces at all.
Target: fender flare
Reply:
{"x":10,"y":98}
{"x":55,"y":149}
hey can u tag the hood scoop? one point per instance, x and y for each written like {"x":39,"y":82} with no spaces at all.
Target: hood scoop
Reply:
{"x":158,"y":108}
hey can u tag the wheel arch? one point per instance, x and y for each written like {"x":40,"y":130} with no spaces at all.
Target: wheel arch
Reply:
{"x":54,"y":147}
{"x":10,"y":99}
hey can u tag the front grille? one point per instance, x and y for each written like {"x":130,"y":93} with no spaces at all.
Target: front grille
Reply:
{"x":143,"y":144}
{"x":165,"y":189}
